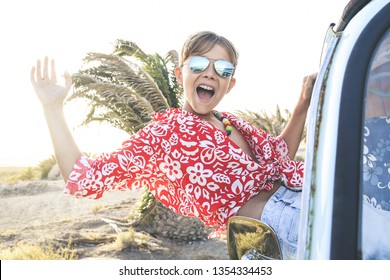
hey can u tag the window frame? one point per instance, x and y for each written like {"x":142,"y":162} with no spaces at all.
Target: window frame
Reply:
{"x":346,"y":216}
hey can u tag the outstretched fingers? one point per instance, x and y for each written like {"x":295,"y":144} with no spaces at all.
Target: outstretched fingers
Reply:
{"x":39,"y":71}
{"x":32,"y":76}
{"x":44,"y":82}
{"x":36,"y":73}
{"x":46,"y":74}
{"x":308,"y":85}
{"x":310,"y":80}
{"x":46,"y":68}
{"x":68,"y":80}
{"x":53,"y":71}
{"x":43,"y":74}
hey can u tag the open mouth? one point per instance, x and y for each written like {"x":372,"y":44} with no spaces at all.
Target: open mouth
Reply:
{"x":205,"y":92}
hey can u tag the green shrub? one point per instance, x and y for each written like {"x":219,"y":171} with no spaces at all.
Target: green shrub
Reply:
{"x":46,"y":165}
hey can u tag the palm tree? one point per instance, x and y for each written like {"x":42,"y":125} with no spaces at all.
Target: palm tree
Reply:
{"x":124,"y":88}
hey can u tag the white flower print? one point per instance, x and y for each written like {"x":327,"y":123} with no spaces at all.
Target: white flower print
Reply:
{"x":372,"y":173}
{"x":93,"y":183}
{"x":221,"y":178}
{"x":199,"y":175}
{"x":186,"y":123}
{"x":136,"y":160}
{"x":213,"y":186}
{"x":237,"y":187}
{"x":176,"y":154}
{"x":184,"y":129}
{"x":282,"y":149}
{"x":251,"y":165}
{"x":171,"y":189}
{"x":84,"y":161}
{"x":197,"y":192}
{"x":186,"y":206}
{"x":108,"y":168}
{"x":148,"y":150}
{"x":110,"y":182}
{"x":171,"y":168}
{"x":208,"y":151}
{"x":174,"y":139}
{"x":219,"y":137}
{"x":297,"y":179}
{"x":166,"y":146}
{"x":267,"y":151}
{"x":159,"y":130}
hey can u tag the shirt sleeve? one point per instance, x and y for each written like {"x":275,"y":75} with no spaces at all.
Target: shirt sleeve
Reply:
{"x":272,"y":154}
{"x":292,"y":171}
{"x":130,"y":167}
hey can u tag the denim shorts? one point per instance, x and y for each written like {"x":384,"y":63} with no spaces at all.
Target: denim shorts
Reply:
{"x":281,"y":212}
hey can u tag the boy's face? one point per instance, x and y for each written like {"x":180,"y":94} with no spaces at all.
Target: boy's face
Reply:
{"x":203,"y":91}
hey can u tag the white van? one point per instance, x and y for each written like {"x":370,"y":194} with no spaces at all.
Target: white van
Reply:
{"x":346,"y":194}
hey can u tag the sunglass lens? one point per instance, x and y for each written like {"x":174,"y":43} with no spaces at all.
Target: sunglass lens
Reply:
{"x":198,"y":64}
{"x":223,"y":68}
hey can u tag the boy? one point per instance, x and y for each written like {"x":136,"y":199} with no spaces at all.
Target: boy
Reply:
{"x":195,"y":160}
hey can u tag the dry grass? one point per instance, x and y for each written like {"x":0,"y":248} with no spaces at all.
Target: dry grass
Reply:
{"x":130,"y":238}
{"x":95,"y":209}
{"x":11,"y":175}
{"x":24,"y":251}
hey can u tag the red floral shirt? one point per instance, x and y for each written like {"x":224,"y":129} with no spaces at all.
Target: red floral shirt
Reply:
{"x":190,"y":166}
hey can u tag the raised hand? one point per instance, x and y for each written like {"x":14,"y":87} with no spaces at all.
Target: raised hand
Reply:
{"x":292,"y":133}
{"x":52,"y":96}
{"x":49,"y":92}
{"x":307,"y":87}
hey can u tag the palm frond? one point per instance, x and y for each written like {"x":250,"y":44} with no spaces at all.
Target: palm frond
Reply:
{"x":172,"y":57}
{"x":115,"y":69}
{"x":160,"y":69}
{"x":125,"y":87}
{"x":129,"y":49}
{"x":116,"y":104}
{"x":272,"y":123}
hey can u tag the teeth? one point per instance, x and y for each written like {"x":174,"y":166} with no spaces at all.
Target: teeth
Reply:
{"x":206,"y":87}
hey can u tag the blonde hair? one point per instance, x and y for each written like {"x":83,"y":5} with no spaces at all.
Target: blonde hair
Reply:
{"x":201,"y":42}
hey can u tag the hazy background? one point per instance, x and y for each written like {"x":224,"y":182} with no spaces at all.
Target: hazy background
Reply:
{"x":279,"y":43}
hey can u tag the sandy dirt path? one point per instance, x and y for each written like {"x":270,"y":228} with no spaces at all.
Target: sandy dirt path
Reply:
{"x":38,"y":212}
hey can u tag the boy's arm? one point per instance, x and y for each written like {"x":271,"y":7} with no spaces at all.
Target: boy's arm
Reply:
{"x":293,"y":131}
{"x":52,"y":97}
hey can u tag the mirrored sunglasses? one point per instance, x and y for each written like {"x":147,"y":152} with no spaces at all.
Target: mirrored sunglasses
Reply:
{"x":198,"y":64}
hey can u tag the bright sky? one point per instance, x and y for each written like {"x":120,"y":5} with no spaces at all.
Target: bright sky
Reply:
{"x":279,"y":43}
